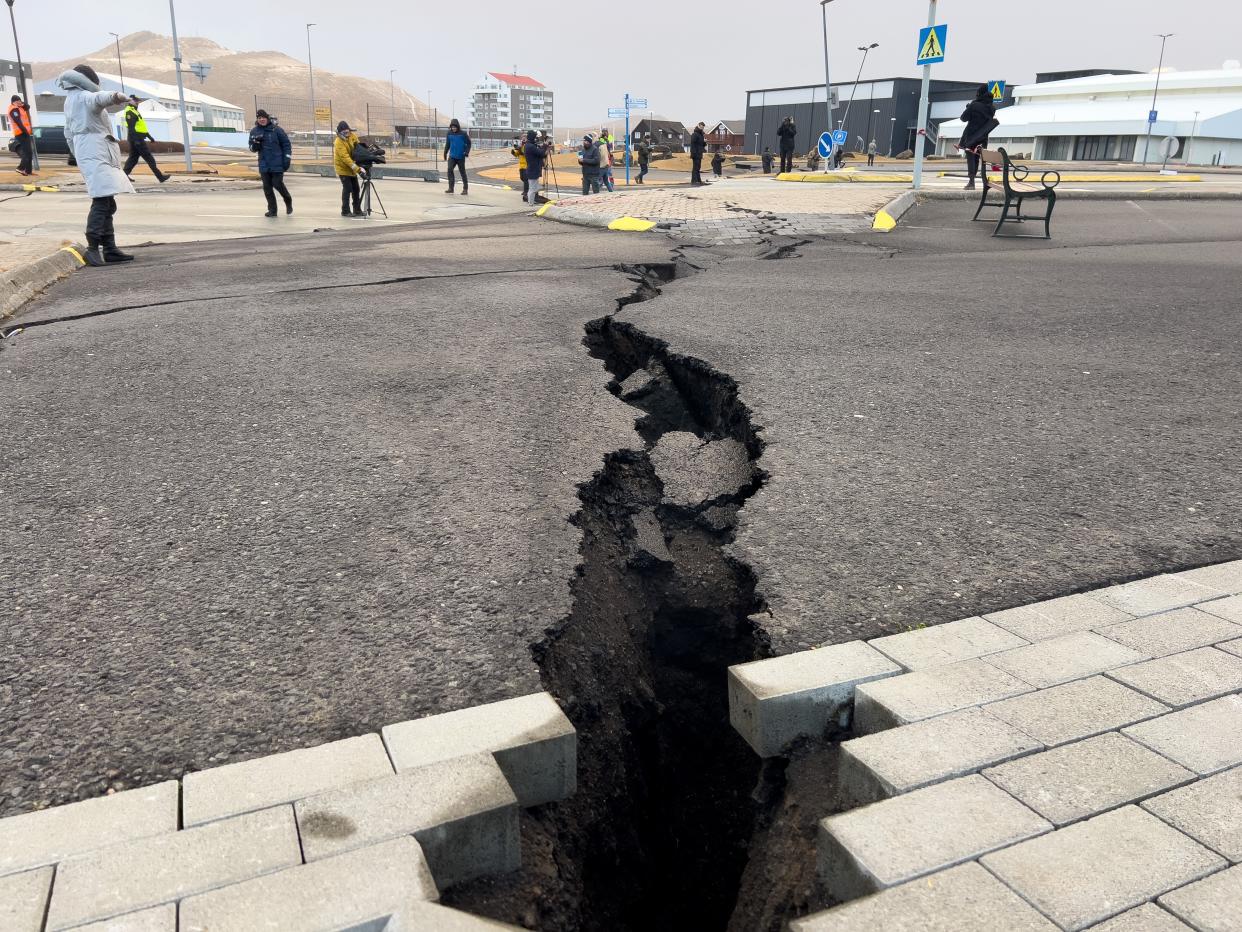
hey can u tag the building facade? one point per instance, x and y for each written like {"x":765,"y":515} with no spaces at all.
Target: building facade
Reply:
{"x":511,"y":101}
{"x":886,"y":111}
{"x":1104,"y":117}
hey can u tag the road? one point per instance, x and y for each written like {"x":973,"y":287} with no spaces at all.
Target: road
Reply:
{"x":296,"y":488}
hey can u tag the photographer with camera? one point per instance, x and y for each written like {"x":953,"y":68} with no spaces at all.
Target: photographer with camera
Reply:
{"x":519,"y":152}
{"x":275,"y":155}
{"x":347,"y":169}
{"x":536,"y":152}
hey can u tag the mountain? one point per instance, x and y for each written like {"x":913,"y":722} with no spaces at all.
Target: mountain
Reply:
{"x":238,"y":76}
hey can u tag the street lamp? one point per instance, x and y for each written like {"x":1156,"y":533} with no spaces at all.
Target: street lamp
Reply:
{"x":1164,"y":38}
{"x":185,"y":120}
{"x":21,"y":85}
{"x":828,"y":108}
{"x":392,"y":102}
{"x":866,"y":50}
{"x":892,"y":130}
{"x":869,"y":119}
{"x":1193,"y":128}
{"x":119,"y":67}
{"x":310,"y":67}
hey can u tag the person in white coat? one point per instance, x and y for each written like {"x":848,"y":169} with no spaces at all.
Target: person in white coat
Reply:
{"x":88,"y":131}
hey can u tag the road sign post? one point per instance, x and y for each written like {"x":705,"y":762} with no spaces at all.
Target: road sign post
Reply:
{"x":827,"y":144}
{"x":932,"y":41}
{"x":1169,"y":147}
{"x":623,"y":113}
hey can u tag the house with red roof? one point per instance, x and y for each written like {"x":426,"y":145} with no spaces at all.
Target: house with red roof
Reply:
{"x":511,"y":101}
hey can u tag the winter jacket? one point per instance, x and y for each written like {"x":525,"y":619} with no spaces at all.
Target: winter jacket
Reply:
{"x":519,"y":152}
{"x":135,"y":125}
{"x":457,"y":145}
{"x":343,"y":155}
{"x":977,"y":115}
{"x":589,"y":155}
{"x":768,"y":159}
{"x":644,"y":153}
{"x":273,"y":146}
{"x":717,"y":162}
{"x":88,"y":131}
{"x":698,"y":143}
{"x":788,"y":135}
{"x":535,"y":156}
{"x":19,"y":118}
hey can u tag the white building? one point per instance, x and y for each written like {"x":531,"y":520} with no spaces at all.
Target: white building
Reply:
{"x":1104,"y":118}
{"x":511,"y":101}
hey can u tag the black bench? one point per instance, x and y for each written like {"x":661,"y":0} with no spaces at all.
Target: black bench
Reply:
{"x":1016,"y":189}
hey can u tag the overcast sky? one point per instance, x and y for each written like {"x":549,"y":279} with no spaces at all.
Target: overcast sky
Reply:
{"x":693,"y":61}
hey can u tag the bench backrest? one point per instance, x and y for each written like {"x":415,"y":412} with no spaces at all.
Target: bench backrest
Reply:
{"x":992,"y":156}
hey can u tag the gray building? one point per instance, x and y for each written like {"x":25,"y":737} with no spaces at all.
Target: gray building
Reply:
{"x":885,"y":110}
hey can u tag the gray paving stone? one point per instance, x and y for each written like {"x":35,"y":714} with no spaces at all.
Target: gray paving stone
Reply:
{"x":912,"y":697}
{"x":157,"y":919}
{"x":1209,"y":811}
{"x":532,"y":740}
{"x":1056,"y":617}
{"x":1211,"y":905}
{"x":1064,"y":658}
{"x":421,"y":916}
{"x":462,"y":811}
{"x":1226,"y":577}
{"x":148,"y":872}
{"x":1147,"y":918}
{"x":1184,"y":679}
{"x":1093,"y":870}
{"x":1233,"y":647}
{"x":947,"y":643}
{"x":1229,"y":609}
{"x":348,"y":890}
{"x":1080,"y":780}
{"x":1172,"y":632}
{"x":903,"y":759}
{"x":773,"y":702}
{"x":23,"y":900}
{"x":1156,"y":594}
{"x":50,"y":835}
{"x":1206,"y":738}
{"x":280,"y":778}
{"x":1076,"y":710}
{"x":896,"y":840}
{"x":962,"y":899}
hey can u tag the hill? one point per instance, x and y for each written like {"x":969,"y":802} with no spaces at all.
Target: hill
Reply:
{"x":238,"y":77}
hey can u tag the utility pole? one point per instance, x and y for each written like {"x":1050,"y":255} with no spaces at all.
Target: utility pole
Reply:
{"x":185,"y":120}
{"x":120,"y":69}
{"x":866,"y":50}
{"x":310,"y":66}
{"x":823,"y":8}
{"x":1194,"y":127}
{"x":392,"y":102}
{"x":21,"y":86}
{"x":920,"y":133}
{"x":1164,"y":38}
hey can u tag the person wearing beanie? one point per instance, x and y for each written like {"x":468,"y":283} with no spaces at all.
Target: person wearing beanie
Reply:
{"x":275,"y":152}
{"x":347,"y":169}
{"x":23,"y":134}
{"x":536,"y":153}
{"x":457,"y":146}
{"x":590,"y":158}
{"x":88,"y":131}
{"x":137,"y":135}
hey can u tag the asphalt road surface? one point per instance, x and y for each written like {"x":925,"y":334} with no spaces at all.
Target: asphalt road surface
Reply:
{"x":295,"y":489}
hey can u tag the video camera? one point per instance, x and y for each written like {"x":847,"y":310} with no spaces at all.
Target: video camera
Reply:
{"x":365,"y":155}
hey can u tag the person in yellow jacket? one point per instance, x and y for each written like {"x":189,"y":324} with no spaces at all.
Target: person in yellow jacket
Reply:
{"x":137,"y":134}
{"x":347,"y":169}
{"x":519,"y":152}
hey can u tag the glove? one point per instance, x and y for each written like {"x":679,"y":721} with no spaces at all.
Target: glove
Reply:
{"x":288,"y":162}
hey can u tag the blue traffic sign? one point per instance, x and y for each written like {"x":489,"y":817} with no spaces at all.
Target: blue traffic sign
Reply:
{"x":932,"y":43}
{"x":1151,"y":116}
{"x":638,"y":103}
{"x":840,"y":137}
{"x":997,"y":89}
{"x":617,"y":113}
{"x":826,"y":145}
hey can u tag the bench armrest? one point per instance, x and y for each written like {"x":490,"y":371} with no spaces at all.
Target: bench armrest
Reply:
{"x":1044,"y":179}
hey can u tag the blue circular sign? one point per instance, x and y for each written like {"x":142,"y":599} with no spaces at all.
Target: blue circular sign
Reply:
{"x":826,"y":145}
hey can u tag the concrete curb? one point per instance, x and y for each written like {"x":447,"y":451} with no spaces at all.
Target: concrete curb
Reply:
{"x":621,"y":224}
{"x":934,"y":194}
{"x":381,"y":172}
{"x":886,"y":217}
{"x":45,"y":188}
{"x":19,"y":285}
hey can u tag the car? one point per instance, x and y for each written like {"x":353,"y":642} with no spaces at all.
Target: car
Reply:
{"x":50,"y":140}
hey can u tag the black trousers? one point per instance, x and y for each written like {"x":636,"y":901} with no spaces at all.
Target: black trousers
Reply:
{"x":696,"y":170}
{"x":459,"y":164}
{"x":350,"y":190}
{"x":99,"y":226}
{"x":274,"y":183}
{"x":972,"y":163}
{"x":25,"y":153}
{"x":140,"y":150}
{"x":525,"y":181}
{"x":786,"y":161}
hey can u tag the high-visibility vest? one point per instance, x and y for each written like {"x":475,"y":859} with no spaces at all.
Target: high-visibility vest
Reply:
{"x":141,"y":126}
{"x":19,"y":119}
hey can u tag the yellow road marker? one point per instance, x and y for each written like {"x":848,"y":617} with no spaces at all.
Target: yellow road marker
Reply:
{"x":632,"y":225}
{"x":73,"y":252}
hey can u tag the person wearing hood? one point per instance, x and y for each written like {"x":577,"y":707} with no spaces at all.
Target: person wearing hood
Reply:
{"x":88,"y":131}
{"x":536,"y":154}
{"x":23,"y":134}
{"x":347,"y":169}
{"x":457,"y":146}
{"x":644,"y":157}
{"x":977,"y":116}
{"x":589,"y":158}
{"x":605,"y":160}
{"x":698,"y":146}
{"x":137,"y":134}
{"x":788,"y":136}
{"x":275,"y":152}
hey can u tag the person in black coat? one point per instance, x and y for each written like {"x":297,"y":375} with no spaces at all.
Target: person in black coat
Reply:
{"x":977,"y":116}
{"x":788,"y":136}
{"x":698,"y":146}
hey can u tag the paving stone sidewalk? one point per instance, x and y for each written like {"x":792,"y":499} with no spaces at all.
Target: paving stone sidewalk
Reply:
{"x":735,"y":210}
{"x":1073,"y":764}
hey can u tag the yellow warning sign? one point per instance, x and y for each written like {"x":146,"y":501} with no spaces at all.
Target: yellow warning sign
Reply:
{"x":931,"y":44}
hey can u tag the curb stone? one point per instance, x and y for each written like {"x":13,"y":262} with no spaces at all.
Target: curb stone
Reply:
{"x":887,"y":217}
{"x":19,"y":285}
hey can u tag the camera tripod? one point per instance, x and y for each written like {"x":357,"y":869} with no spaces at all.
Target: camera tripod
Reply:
{"x":550,"y":171}
{"x":368,"y":188}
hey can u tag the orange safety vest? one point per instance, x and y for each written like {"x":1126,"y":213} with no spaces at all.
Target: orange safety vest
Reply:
{"x":19,"y":119}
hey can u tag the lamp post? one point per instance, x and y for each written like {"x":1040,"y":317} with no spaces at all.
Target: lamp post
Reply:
{"x":892,"y":130}
{"x":920,"y":132}
{"x":310,"y":67}
{"x":869,"y":119}
{"x":1193,"y":128}
{"x":866,"y":50}
{"x":392,"y":102}
{"x":120,"y":69}
{"x":185,"y":120}
{"x":21,"y":85}
{"x":1164,"y":38}
{"x":828,"y":108}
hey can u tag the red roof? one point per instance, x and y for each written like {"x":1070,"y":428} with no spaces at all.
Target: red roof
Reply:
{"x":522,"y":79}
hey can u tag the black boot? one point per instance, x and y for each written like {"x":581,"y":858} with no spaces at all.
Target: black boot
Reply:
{"x":93,"y":255}
{"x":111,"y":253}
{"x":289,"y":206}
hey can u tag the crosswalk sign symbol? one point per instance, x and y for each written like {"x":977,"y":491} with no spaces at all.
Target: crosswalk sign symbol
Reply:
{"x":997,"y":90}
{"x":932,"y":44}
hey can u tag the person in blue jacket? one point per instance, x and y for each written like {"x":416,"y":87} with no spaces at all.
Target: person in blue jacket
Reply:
{"x":275,"y":153}
{"x":457,"y":146}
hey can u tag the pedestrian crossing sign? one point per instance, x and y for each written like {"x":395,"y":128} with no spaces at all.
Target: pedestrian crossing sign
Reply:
{"x":997,"y":89}
{"x":932,"y":44}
